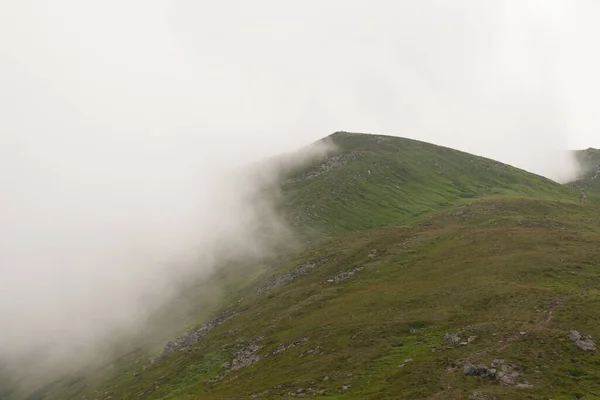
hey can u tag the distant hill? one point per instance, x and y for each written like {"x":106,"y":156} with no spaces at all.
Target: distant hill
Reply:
{"x":589,"y":182}
{"x":427,"y":273}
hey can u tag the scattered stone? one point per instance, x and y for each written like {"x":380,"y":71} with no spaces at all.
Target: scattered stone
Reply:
{"x":346,"y":387}
{"x":345,"y":275}
{"x":326,"y":378}
{"x":372,"y":254}
{"x":506,"y":375}
{"x":583,"y":342}
{"x":245,"y":357}
{"x":524,"y":385}
{"x":330,"y":163}
{"x":482,"y":396}
{"x":471,"y":339}
{"x":282,"y":347}
{"x":408,"y":360}
{"x":136,"y":374}
{"x":474,"y":370}
{"x":452,"y":338}
{"x":497,"y":363}
{"x":401,"y":366}
{"x":291,"y":275}
{"x":195,"y":336}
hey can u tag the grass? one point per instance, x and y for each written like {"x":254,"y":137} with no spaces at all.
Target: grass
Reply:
{"x":473,"y":271}
{"x":376,"y":181}
{"x":448,"y":242}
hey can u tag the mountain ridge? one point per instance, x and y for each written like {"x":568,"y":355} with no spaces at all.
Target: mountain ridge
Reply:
{"x":390,"y":284}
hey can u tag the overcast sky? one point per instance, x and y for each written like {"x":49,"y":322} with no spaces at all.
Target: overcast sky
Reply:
{"x":117,"y":118}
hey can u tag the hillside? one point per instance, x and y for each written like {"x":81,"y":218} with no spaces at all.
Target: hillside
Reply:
{"x":589,"y":182}
{"x":428,"y":274}
{"x":375,"y":180}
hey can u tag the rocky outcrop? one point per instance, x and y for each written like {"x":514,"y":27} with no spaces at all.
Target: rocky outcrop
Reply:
{"x":282,"y":347}
{"x":342,"y":276}
{"x":195,"y":336}
{"x":583,"y":342}
{"x":501,"y":372}
{"x":482,"y":396}
{"x":291,"y":275}
{"x":245,"y":357}
{"x":452,"y":337}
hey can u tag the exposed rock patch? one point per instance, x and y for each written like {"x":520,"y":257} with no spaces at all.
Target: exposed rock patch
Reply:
{"x":583,"y":342}
{"x":503,"y":373}
{"x":452,"y":338}
{"x":195,"y":336}
{"x":292,"y":275}
{"x":282,"y":347}
{"x":245,"y":357}
{"x":482,"y":396}
{"x":330,"y":163}
{"x":345,"y":275}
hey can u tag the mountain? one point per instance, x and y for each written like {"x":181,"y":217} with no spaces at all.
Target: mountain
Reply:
{"x":375,"y":180}
{"x":427,"y":273}
{"x":589,"y":181}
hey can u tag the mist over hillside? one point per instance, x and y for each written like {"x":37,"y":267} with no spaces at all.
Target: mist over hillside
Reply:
{"x":149,"y":150}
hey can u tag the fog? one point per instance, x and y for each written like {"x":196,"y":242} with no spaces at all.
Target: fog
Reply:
{"x":122,"y":125}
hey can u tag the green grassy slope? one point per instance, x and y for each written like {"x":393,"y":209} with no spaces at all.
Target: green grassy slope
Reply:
{"x":376,"y":180}
{"x":416,"y":241}
{"x":517,"y":274}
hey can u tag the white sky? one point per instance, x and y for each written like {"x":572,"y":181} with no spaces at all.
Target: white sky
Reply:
{"x":116,"y":118}
{"x":264,"y":76}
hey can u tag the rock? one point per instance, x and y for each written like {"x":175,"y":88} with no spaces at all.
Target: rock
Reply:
{"x":291,"y":275}
{"x":471,"y":339}
{"x":408,"y":360}
{"x":473,"y":370}
{"x":342,"y":276}
{"x":507,"y":380}
{"x":482,"y":396}
{"x":452,"y":338}
{"x":245,"y":357}
{"x":506,"y":375}
{"x":195,"y":336}
{"x":282,"y":347}
{"x":524,"y":385}
{"x":574,"y":335}
{"x":346,"y":387}
{"x":497,"y":363}
{"x":469,"y":369}
{"x":584,"y":343}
